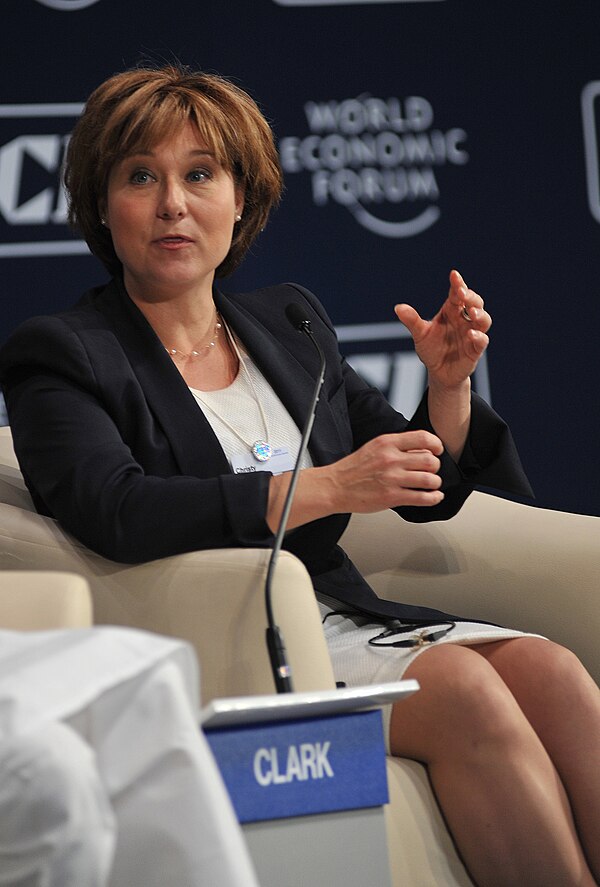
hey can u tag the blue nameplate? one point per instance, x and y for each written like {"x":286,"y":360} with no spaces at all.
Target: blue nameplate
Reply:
{"x":294,"y":768}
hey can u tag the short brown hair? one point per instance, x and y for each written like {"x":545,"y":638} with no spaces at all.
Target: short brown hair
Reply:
{"x":137,"y":109}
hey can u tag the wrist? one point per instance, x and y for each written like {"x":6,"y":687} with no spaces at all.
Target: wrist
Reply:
{"x":450,"y":414}
{"x":313,"y":498}
{"x":442,"y":390}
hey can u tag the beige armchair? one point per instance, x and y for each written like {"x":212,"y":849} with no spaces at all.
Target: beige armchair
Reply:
{"x":497,"y":560}
{"x":31,"y":600}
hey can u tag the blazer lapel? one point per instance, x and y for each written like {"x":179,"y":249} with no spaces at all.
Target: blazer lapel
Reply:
{"x":277,"y":353}
{"x":195,"y":446}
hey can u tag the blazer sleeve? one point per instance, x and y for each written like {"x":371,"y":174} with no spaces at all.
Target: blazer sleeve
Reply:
{"x":67,"y":426}
{"x":490,"y":457}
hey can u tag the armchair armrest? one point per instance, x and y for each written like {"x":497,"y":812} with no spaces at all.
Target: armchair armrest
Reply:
{"x":213,"y":599}
{"x":501,"y":561}
{"x":38,"y":601}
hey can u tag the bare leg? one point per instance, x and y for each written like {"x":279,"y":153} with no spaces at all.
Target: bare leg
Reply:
{"x":562,"y":703}
{"x":498,"y":789}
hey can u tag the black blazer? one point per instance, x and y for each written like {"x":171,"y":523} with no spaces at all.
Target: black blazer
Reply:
{"x":112,"y":443}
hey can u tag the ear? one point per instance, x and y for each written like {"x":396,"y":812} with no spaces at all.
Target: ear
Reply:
{"x":103,"y":213}
{"x":239,"y":199}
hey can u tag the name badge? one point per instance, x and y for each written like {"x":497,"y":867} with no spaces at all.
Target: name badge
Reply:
{"x":280,"y":461}
{"x":296,"y":768}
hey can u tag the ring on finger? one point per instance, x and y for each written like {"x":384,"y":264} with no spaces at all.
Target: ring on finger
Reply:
{"x":465,"y":314}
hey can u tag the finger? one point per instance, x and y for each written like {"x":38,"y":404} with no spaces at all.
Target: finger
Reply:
{"x":477,"y":319}
{"x":460,"y":293}
{"x":468,"y":304}
{"x":421,"y":460}
{"x":420,"y":480}
{"x":471,"y":300}
{"x":456,"y":280}
{"x":412,"y":320}
{"x":478,"y":342}
{"x":408,"y":441}
{"x":480,"y":319}
{"x":421,"y":498}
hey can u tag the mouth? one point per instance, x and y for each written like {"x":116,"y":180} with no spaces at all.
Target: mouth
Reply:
{"x":174,"y":239}
{"x":173,"y":242}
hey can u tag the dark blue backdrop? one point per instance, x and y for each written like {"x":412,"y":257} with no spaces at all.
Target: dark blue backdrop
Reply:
{"x":416,"y":137}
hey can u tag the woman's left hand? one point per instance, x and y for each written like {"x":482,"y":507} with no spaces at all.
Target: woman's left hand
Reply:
{"x":450,"y":345}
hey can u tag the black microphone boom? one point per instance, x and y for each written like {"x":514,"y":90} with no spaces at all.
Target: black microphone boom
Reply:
{"x":275,"y":644}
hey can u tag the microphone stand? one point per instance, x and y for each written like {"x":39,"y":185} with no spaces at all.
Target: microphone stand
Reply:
{"x":275,"y":644}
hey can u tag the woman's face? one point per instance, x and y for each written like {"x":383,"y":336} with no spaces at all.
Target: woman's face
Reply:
{"x":171,"y":213}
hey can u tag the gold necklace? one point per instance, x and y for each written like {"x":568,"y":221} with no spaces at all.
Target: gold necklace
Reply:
{"x":202,"y":350}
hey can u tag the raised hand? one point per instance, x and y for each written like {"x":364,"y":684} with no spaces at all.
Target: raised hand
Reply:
{"x":451,"y":344}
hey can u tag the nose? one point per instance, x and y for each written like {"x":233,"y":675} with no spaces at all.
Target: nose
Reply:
{"x":171,"y":203}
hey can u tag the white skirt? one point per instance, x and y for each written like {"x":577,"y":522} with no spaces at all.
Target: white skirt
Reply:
{"x":358,"y":663}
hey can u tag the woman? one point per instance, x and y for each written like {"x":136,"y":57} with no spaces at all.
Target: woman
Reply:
{"x":161,"y":415}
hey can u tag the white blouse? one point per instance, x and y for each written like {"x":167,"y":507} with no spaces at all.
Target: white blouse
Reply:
{"x":249,"y":410}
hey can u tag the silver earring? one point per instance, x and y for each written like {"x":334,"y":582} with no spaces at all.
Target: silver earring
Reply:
{"x":103,"y":221}
{"x":238,"y":218}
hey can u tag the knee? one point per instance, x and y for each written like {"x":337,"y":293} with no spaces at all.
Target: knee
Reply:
{"x":459,"y":676}
{"x":463,"y":703}
{"x":557,"y":662}
{"x":534,"y":660}
{"x":483,"y":703}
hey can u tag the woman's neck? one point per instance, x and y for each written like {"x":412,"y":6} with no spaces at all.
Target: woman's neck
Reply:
{"x":194,"y":335}
{"x":182,"y":320}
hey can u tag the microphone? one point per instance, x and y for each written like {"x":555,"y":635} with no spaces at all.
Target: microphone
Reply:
{"x":282,"y":675}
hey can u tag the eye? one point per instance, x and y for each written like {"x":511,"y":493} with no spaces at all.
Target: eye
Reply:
{"x":140,"y":177}
{"x":199,"y":175}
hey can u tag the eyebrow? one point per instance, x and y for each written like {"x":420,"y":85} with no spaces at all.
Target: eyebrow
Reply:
{"x":197,"y":152}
